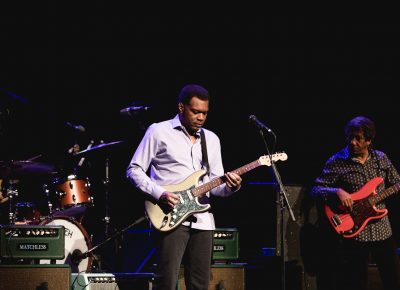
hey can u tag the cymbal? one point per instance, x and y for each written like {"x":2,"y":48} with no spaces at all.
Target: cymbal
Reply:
{"x":20,"y":169}
{"x":103,"y":147}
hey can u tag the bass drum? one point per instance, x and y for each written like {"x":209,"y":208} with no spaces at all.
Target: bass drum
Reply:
{"x":76,"y":241}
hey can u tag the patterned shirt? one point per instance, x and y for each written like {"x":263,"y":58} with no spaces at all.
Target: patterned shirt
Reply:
{"x":166,"y":149}
{"x":343,"y":171}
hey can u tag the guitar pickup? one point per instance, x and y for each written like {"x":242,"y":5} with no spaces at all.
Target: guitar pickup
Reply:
{"x":336,"y":220}
{"x":189,"y":194}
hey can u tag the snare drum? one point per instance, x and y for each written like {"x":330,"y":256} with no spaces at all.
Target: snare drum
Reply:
{"x":76,"y":241}
{"x":73,"y":192}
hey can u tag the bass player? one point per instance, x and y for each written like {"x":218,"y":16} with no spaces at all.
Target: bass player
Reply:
{"x":345,"y":260}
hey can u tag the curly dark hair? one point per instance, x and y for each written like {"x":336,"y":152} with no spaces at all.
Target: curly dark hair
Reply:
{"x":361,"y":123}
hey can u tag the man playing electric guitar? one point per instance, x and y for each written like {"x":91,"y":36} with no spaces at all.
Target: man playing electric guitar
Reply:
{"x":345,"y":183}
{"x":171,"y":151}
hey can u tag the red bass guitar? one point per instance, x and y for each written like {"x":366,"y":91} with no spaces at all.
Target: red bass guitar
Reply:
{"x":349,"y":223}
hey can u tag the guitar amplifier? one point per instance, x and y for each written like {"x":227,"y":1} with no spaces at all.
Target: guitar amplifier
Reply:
{"x":32,"y":242}
{"x":226,"y":244}
{"x":93,"y":281}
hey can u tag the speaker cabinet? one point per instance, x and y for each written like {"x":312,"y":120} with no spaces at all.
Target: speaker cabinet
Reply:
{"x":229,"y":276}
{"x":299,"y":235}
{"x":35,"y":277}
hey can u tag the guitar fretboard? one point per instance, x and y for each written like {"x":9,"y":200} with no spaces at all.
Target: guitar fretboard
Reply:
{"x":220,"y":180}
{"x":377,"y":198}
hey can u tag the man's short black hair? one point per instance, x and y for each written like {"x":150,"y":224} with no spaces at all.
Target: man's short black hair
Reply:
{"x":192,"y":90}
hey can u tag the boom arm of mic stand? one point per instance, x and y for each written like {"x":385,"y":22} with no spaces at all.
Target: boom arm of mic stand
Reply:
{"x":87,"y":253}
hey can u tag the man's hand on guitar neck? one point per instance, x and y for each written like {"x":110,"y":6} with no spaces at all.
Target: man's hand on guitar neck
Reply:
{"x":345,"y":198}
{"x":169,"y":198}
{"x":233,"y":180}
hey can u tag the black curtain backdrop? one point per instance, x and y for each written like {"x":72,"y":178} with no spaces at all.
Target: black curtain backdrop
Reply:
{"x":303,"y":76}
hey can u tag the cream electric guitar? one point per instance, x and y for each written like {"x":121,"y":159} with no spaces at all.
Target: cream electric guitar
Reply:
{"x":166,"y":219}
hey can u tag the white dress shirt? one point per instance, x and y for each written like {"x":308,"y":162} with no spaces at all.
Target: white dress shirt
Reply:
{"x":166,"y":149}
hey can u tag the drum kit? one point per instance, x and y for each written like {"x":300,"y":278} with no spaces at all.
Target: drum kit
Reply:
{"x":68,"y":199}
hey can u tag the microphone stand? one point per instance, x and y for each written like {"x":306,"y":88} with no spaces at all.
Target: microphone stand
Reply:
{"x":77,"y":255}
{"x":284,"y":203}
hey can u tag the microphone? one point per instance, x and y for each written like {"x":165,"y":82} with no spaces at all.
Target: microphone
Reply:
{"x":253,"y":119}
{"x":129,"y":111}
{"x":79,"y":128}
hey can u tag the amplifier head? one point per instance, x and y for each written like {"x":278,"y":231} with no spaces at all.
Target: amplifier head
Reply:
{"x":226,"y":244}
{"x":32,"y":242}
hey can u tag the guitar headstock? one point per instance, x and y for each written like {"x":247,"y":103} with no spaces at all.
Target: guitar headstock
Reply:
{"x":265,"y":160}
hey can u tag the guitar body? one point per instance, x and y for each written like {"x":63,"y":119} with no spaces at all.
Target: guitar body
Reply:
{"x":350,"y":223}
{"x":166,"y":220}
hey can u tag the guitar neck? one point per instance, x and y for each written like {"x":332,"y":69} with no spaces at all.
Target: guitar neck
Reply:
{"x":198,"y":191}
{"x":377,"y":198}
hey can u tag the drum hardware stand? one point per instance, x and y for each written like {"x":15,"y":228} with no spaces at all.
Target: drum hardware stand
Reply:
{"x":106,"y":192}
{"x":11,"y":193}
{"x":283,"y":202}
{"x":106,"y":180}
{"x":78,"y":256}
{"x":49,"y":204}
{"x":83,"y":158}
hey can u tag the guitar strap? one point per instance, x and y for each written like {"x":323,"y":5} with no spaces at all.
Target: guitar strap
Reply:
{"x":204,"y":151}
{"x":204,"y":199}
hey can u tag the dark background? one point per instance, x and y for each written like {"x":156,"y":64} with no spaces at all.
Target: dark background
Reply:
{"x":304,"y":76}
